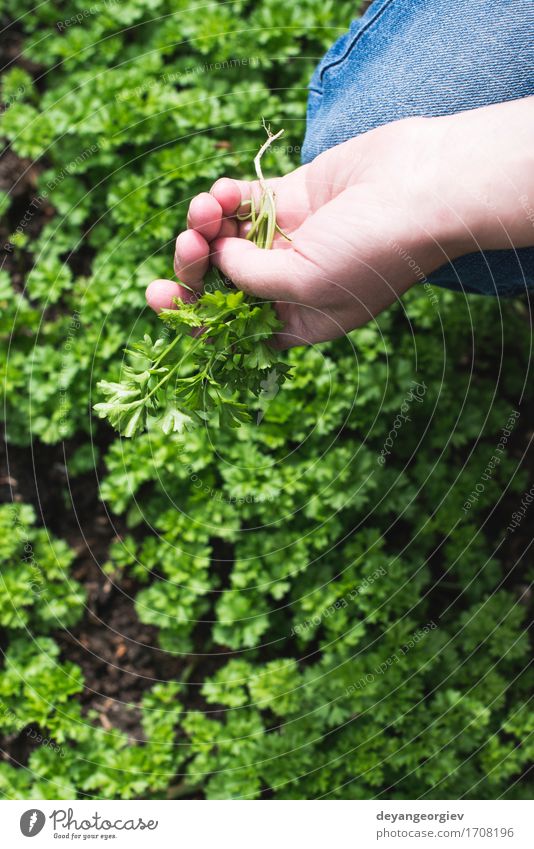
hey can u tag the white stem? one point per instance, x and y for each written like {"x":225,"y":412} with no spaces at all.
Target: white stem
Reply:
{"x":267,"y":199}
{"x":257,"y":159}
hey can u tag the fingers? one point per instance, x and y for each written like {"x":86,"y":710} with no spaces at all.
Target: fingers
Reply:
{"x":208,"y":210}
{"x":228,"y":228}
{"x":206,"y":220}
{"x":191,"y":258}
{"x":268,"y":274}
{"x":205,"y":215}
{"x":291,"y":193}
{"x":232,"y":194}
{"x":210,"y":213}
{"x":228,"y":194}
{"x":160,"y":294}
{"x":212,"y":222}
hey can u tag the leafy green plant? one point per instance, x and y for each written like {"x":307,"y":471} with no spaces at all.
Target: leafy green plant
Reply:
{"x":38,"y":690}
{"x":36,"y":587}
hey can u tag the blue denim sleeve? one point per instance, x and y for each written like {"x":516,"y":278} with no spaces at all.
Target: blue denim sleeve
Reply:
{"x":428,"y":57}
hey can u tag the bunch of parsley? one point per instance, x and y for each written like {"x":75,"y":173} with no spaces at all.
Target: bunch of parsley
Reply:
{"x":174,"y":389}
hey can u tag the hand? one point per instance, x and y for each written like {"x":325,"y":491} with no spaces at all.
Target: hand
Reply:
{"x":367,"y":219}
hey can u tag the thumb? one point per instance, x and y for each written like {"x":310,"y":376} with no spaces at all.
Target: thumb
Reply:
{"x":270,"y":274}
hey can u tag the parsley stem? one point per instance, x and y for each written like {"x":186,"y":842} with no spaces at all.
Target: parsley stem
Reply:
{"x":169,"y":348}
{"x":169,"y":374}
{"x":268,"y":203}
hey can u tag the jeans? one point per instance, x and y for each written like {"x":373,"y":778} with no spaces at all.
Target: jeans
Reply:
{"x":429,"y":57}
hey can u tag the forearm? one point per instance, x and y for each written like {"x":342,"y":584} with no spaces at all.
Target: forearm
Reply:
{"x":483,"y":184}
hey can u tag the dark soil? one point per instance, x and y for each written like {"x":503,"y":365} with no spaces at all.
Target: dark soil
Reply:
{"x":18,"y":177}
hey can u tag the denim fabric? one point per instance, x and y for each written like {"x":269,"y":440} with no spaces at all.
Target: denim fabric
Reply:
{"x":428,"y":57}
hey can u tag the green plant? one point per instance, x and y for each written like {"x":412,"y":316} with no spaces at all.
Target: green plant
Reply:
{"x":36,"y":587}
{"x":37,"y":690}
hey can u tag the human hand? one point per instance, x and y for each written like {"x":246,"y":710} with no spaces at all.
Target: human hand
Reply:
{"x":367,"y":219}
